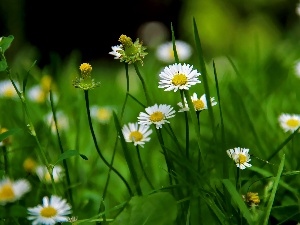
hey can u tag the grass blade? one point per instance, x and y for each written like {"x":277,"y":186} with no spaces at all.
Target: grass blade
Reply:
{"x":272,"y":196}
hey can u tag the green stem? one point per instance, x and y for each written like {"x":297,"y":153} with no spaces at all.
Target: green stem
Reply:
{"x":142,"y":167}
{"x":127,"y":90}
{"x":187,"y":130}
{"x":168,"y":162}
{"x":143,"y":83}
{"x":5,"y":160}
{"x":61,"y":150}
{"x":40,"y":153}
{"x":86,"y":95}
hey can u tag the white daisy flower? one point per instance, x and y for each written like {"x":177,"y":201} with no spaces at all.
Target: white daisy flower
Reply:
{"x":240,"y":156}
{"x":44,"y":175}
{"x":289,"y":122}
{"x":178,"y":76}
{"x":101,"y":114}
{"x":52,"y":211}
{"x":36,"y":94}
{"x":136,"y":134}
{"x":297,"y":68}
{"x":11,"y":191}
{"x":62,"y":121}
{"x":115,"y":52}
{"x":199,"y":104}
{"x":7,"y":89}
{"x":165,"y":51}
{"x":156,"y":114}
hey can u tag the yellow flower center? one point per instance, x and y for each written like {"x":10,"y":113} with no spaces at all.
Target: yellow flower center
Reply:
{"x":41,"y":96}
{"x":171,"y":53}
{"x":126,"y":41}
{"x":85,"y":69}
{"x":252,"y":198}
{"x":47,"y":177}
{"x":199,"y":105}
{"x":293,"y":123}
{"x":136,"y":136}
{"x":48,"y":212}
{"x":157,"y":116}
{"x":46,"y":82}
{"x":179,"y":79}
{"x":29,"y":165}
{"x":6,"y":192}
{"x":103,"y":114}
{"x":242,"y":159}
{"x":9,"y":92}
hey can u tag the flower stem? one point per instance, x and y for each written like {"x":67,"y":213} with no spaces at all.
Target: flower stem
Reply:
{"x":61,"y":150}
{"x":142,"y":167}
{"x":143,"y":83}
{"x":5,"y":160}
{"x":86,"y":95}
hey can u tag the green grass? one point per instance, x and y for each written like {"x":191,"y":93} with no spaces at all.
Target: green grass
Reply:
{"x":194,"y":180}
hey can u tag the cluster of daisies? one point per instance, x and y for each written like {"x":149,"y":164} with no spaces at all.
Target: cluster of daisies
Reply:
{"x":52,"y":210}
{"x":174,"y":77}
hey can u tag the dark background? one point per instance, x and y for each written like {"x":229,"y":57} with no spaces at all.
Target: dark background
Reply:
{"x":89,"y":26}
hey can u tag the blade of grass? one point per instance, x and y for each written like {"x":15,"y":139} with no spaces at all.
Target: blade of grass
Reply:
{"x":204,"y":77}
{"x":237,"y":198}
{"x":272,"y":196}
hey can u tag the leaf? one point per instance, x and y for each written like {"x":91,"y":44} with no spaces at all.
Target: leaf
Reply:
{"x":237,"y":198}
{"x":69,"y":153}
{"x":6,"y":42}
{"x":272,"y":196}
{"x":149,"y":210}
{"x":3,"y":65}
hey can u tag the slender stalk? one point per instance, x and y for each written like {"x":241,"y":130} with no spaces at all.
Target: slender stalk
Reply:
{"x":143,"y":83}
{"x":187,"y":130}
{"x":61,"y":150}
{"x":5,"y":160}
{"x":127,"y":90}
{"x":142,"y":167}
{"x":86,"y":95}
{"x":40,"y":152}
{"x":168,"y":162}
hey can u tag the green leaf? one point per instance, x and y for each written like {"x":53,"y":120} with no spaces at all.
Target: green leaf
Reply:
{"x":149,"y":210}
{"x":3,"y":65}
{"x":69,"y":153}
{"x":8,"y":133}
{"x":272,"y":196}
{"x":6,"y":42}
{"x":237,"y":198}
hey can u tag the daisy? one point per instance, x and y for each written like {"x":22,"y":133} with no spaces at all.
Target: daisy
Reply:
{"x":178,"y":76}
{"x":289,"y":122}
{"x":11,"y":191}
{"x":37,"y":94}
{"x":156,"y":114}
{"x":52,"y":211}
{"x":44,"y":175}
{"x":165,"y":51}
{"x":240,"y":156}
{"x":136,"y":134}
{"x":199,"y":104}
{"x":62,"y":121}
{"x":101,"y":114}
{"x":115,"y":52}
{"x":7,"y":89}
